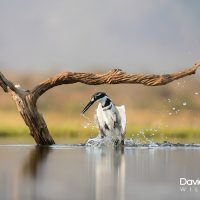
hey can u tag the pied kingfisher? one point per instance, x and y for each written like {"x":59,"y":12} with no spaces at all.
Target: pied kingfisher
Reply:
{"x":110,"y":119}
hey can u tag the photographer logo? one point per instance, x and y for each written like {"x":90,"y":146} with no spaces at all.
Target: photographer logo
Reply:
{"x":189,"y":185}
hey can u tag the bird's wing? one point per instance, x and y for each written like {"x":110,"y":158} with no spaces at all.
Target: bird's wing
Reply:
{"x":122,"y":113}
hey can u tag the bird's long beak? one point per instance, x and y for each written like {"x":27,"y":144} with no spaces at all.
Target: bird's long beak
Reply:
{"x":87,"y":107}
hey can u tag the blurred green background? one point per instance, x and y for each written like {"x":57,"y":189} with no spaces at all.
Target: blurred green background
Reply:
{"x":169,"y":112}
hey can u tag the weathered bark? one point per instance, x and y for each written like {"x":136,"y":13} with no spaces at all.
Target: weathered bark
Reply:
{"x":26,"y":100}
{"x":32,"y":118}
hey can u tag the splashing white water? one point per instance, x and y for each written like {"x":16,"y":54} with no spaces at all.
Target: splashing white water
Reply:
{"x":100,"y":142}
{"x":184,"y":103}
{"x":89,"y":123}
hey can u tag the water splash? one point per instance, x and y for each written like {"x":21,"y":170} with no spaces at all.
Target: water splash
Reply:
{"x":169,"y":100}
{"x":184,"y":103}
{"x":101,"y":142}
{"x":146,"y":139}
{"x":89,"y":123}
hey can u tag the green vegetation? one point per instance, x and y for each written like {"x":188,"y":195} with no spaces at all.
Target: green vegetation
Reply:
{"x":77,"y":134}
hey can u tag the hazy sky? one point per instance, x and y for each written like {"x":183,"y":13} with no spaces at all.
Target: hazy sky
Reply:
{"x":136,"y":36}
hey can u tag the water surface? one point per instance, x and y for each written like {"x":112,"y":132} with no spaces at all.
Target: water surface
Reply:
{"x":77,"y":172}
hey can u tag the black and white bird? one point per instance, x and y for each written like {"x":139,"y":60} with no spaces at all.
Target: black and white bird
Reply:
{"x":110,"y":119}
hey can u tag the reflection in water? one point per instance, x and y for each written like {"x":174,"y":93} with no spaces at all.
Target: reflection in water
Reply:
{"x":35,"y":161}
{"x":20,"y":171}
{"x":33,"y":170}
{"x":108,"y":168}
{"x":90,"y":173}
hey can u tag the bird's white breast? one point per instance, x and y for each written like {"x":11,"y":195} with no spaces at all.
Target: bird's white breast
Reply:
{"x":105,"y":117}
{"x":109,"y":117}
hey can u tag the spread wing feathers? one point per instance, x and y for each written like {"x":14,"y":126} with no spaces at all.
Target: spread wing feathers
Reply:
{"x":122,"y":113}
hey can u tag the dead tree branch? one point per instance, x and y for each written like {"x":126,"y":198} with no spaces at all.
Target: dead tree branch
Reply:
{"x":26,"y":100}
{"x":115,"y":76}
{"x":32,"y":118}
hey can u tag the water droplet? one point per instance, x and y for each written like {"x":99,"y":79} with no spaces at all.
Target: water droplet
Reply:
{"x":152,"y":144}
{"x":184,"y":103}
{"x":170,"y":113}
{"x":173,"y":108}
{"x":196,"y":93}
{"x":137,"y":141}
{"x":169,"y":100}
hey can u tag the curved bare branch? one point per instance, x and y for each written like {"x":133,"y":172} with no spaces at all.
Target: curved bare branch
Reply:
{"x":115,"y":76}
{"x":5,"y":84}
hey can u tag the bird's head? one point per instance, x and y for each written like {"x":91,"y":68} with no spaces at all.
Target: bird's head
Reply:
{"x":99,"y":96}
